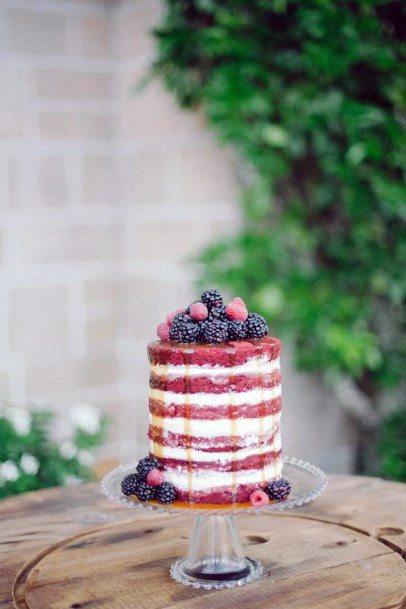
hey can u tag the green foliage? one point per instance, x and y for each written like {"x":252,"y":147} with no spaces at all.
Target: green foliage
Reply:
{"x":392,"y":446}
{"x":311,"y":95}
{"x":38,"y":450}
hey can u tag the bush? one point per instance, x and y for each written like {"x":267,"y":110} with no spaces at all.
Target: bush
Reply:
{"x":40,"y":450}
{"x":311,"y":95}
{"x":392,"y":446}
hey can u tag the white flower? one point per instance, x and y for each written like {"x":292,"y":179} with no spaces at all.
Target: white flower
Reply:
{"x":72,"y":480}
{"x":9,"y":471}
{"x":20,"y":419}
{"x":29,"y":464}
{"x":67,"y":449}
{"x":85,"y":458}
{"x":86,"y":417}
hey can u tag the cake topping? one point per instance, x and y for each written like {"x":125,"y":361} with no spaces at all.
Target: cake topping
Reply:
{"x":198,"y":311}
{"x":212,"y":298}
{"x":163,"y":331}
{"x":144,"y":492}
{"x":148,"y":483}
{"x":234,"y":310}
{"x":145,"y":465}
{"x":165,"y":493}
{"x":258,"y":498}
{"x":278,"y":489}
{"x":210,"y":321}
{"x":129,"y":484}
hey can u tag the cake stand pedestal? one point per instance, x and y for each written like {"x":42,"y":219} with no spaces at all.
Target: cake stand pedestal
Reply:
{"x":216,"y":558}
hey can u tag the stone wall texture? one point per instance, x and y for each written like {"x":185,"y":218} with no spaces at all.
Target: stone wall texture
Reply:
{"x":105,"y":193}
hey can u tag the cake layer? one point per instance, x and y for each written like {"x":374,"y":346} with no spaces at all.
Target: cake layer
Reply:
{"x":253,"y":396}
{"x":207,"y":480}
{"x":216,"y":443}
{"x":200,"y":457}
{"x":257,"y":461}
{"x":262,"y":364}
{"x":212,"y":429}
{"x":216,"y":384}
{"x":220,"y":495}
{"x":229,"y":354}
{"x":231,"y":411}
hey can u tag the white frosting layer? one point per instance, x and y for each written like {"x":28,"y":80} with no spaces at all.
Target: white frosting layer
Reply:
{"x":205,"y":480}
{"x":183,"y":454}
{"x":260,"y":365}
{"x":253,"y":396}
{"x":217,"y":427}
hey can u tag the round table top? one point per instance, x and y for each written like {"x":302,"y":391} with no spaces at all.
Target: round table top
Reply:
{"x":71,"y":548}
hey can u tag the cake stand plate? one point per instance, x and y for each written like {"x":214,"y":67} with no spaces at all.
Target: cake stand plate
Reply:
{"x":216,"y":558}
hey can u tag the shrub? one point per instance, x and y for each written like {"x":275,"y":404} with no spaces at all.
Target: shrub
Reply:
{"x":40,"y":450}
{"x":311,"y":96}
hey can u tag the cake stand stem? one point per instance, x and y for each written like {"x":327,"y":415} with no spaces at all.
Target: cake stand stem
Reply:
{"x":216,"y":558}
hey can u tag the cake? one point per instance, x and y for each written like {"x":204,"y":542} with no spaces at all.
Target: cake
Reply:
{"x":215,"y":417}
{"x":214,"y":409}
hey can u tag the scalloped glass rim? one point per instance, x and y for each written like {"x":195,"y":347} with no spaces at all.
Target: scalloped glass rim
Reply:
{"x":307,"y":482}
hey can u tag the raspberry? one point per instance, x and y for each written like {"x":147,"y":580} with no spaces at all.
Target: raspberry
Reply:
{"x":165,"y":493}
{"x":155,"y":477}
{"x":212,"y":298}
{"x":236,"y":330}
{"x":215,"y":331}
{"x":198,"y":311}
{"x":145,"y":465}
{"x":171,"y":316}
{"x":239,"y":301}
{"x":256,"y":326}
{"x":163,"y":331}
{"x":258,"y":497}
{"x":236,"y":311}
{"x":278,"y":489}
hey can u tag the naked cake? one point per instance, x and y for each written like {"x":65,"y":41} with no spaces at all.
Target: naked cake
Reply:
{"x":215,"y":407}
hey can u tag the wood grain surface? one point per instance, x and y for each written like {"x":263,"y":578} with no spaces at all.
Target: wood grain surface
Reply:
{"x":72,"y":548}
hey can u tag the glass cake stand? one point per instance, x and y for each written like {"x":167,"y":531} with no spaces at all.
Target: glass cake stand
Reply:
{"x":216,"y":558}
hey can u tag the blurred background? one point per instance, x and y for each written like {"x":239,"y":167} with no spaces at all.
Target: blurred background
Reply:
{"x":110,"y":192}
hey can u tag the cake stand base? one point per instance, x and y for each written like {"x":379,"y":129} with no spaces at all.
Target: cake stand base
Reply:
{"x":216,"y":558}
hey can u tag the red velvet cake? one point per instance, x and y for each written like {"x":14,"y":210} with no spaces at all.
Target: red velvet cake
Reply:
{"x":215,"y":411}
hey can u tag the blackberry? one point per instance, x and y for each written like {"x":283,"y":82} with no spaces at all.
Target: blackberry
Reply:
{"x":177,"y":324}
{"x":256,"y":326}
{"x":212,"y":298}
{"x":278,"y":489}
{"x":144,"y":492}
{"x":236,"y":330}
{"x":189,"y":332}
{"x":145,"y":465}
{"x":165,"y":493}
{"x":218,"y":313}
{"x":215,"y":331}
{"x":129,"y":484}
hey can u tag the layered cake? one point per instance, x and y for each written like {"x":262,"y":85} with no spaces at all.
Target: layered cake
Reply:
{"x":214,"y":407}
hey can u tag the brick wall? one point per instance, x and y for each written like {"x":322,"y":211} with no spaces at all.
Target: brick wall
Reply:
{"x":103,"y":195}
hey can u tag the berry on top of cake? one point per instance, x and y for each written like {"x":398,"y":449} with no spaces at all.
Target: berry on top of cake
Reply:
{"x":209,"y":320}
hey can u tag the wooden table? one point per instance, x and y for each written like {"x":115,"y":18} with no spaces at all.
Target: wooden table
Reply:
{"x":71,"y":549}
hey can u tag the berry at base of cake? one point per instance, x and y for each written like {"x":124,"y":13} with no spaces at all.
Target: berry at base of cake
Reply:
{"x":215,"y":417}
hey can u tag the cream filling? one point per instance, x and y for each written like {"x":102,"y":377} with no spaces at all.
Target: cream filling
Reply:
{"x":253,"y":396}
{"x":193,"y":454}
{"x":218,"y":427}
{"x":205,"y":480}
{"x":260,"y":365}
